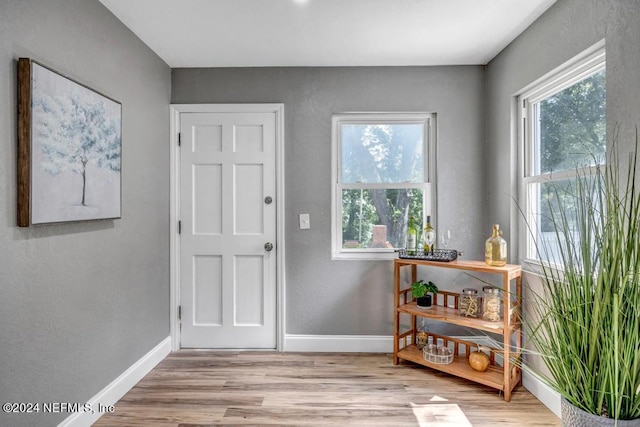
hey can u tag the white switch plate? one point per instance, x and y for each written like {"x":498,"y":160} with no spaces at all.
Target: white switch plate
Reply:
{"x":305,"y":222}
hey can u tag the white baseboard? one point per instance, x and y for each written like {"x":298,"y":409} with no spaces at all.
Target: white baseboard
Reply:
{"x":339,"y":343}
{"x":549,"y":397}
{"x":120,"y":386}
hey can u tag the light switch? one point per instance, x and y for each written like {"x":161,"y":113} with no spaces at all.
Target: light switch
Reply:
{"x":305,"y":223}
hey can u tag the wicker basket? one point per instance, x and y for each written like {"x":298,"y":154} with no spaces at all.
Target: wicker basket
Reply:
{"x":437,"y":355}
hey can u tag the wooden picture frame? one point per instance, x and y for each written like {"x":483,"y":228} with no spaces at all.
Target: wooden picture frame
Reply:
{"x":69,"y":149}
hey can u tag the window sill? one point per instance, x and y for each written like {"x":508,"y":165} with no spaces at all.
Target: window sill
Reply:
{"x":364,"y":256}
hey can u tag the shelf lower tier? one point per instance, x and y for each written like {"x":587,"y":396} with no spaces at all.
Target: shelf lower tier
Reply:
{"x":450,"y":315}
{"x":492,"y":377}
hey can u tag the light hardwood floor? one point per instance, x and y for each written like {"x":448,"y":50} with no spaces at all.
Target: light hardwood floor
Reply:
{"x":205,"y":388}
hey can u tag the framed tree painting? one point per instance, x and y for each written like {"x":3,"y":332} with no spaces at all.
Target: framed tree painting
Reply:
{"x":69,"y":146}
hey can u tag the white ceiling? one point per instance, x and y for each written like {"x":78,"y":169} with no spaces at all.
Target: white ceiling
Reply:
{"x":257,"y":33}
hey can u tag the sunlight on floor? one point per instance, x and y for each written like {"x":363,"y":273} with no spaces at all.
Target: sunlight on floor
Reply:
{"x":440,"y":414}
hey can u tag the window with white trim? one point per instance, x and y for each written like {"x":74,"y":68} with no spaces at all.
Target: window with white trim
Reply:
{"x":383,"y":168}
{"x":563,"y":134}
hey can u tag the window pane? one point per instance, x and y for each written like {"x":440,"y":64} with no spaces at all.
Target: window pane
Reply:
{"x":572,"y":126}
{"x":560,"y":205}
{"x":378,"y":218}
{"x":382,"y":153}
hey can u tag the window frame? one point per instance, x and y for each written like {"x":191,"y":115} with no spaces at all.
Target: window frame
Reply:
{"x":590,"y":62}
{"x":428,"y":120}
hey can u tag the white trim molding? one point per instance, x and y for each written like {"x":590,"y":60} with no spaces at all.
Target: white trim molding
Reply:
{"x":549,"y":397}
{"x":427,"y":183}
{"x":113,"y":392}
{"x":339,"y":343}
{"x":527,"y":135}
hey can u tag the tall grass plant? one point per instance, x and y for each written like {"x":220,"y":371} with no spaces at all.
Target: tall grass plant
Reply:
{"x":586,"y":316}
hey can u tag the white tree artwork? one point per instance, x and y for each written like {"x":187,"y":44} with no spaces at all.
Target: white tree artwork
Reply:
{"x":76,"y":143}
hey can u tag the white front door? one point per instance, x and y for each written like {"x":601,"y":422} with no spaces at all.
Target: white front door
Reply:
{"x":228,"y":245}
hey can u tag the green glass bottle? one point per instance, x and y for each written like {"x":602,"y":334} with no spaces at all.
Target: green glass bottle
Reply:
{"x":412,"y":237}
{"x":429,"y":237}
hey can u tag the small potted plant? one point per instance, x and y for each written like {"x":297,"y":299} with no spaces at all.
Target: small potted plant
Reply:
{"x":422,"y":291}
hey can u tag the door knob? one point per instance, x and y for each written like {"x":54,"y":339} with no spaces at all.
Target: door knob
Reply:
{"x":268,"y":247}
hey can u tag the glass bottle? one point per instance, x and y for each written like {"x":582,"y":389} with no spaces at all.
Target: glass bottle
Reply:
{"x":412,"y":237}
{"x":429,"y":237}
{"x":495,"y":251}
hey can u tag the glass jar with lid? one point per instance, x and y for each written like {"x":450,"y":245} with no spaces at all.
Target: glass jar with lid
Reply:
{"x":422,"y":338}
{"x":469,"y":304}
{"x":491,"y":303}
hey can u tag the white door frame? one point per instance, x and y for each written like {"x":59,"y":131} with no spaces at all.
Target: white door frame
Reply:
{"x":174,"y":241}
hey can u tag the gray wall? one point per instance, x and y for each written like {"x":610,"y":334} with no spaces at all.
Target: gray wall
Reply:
{"x":81,"y":302}
{"x":565,"y":30}
{"x":326,"y":297}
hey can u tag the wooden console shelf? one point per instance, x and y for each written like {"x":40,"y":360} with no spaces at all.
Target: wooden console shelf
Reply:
{"x":460,"y":367}
{"x":503,"y":377}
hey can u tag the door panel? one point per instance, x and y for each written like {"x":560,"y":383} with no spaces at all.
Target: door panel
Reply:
{"x":249,"y":200}
{"x":207,"y":275}
{"x":227,"y":278}
{"x":249,"y":290}
{"x":207,"y":200}
{"x":248,"y":139}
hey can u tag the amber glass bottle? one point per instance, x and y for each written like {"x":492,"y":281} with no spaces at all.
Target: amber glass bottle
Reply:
{"x":495,"y":251}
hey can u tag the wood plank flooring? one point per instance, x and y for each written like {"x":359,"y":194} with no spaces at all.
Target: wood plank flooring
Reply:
{"x":205,"y":388}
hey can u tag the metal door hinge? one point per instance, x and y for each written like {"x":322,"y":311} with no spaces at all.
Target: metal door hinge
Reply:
{"x":179,"y":227}
{"x":179,"y":312}
{"x":179,"y":139}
